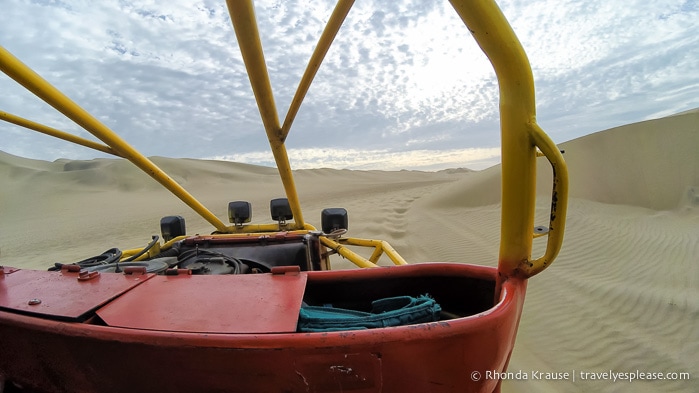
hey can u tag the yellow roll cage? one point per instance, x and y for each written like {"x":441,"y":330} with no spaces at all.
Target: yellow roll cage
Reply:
{"x":520,"y":134}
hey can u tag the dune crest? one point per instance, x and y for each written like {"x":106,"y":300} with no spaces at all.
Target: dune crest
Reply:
{"x":652,"y":164}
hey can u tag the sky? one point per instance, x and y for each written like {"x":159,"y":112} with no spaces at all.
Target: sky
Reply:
{"x":404,"y":86}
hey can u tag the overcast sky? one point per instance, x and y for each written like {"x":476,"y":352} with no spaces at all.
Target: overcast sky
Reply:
{"x":404,"y":86}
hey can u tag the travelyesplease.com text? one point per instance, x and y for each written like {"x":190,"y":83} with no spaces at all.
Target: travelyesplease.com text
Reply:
{"x":579,"y":375}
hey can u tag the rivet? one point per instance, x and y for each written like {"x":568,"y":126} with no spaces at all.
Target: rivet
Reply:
{"x":34,"y":302}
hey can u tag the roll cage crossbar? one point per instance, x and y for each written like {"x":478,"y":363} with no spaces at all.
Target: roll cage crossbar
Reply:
{"x":521,"y":136}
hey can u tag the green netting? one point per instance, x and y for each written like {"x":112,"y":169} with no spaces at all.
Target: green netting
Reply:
{"x":394,"y":311}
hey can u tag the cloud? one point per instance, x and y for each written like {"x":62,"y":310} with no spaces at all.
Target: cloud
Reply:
{"x":426,"y":160}
{"x":403,"y":78}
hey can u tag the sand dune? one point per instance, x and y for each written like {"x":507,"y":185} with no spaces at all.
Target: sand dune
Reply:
{"x":652,"y":164}
{"x":622,"y":296}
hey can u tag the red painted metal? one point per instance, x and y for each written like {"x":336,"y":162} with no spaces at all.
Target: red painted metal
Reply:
{"x":430,"y":357}
{"x":231,"y":303}
{"x":247,"y":238}
{"x":66,"y":295}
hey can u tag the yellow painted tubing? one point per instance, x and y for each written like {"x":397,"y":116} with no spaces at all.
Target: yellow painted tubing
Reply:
{"x":150,"y":254}
{"x":331,"y":28}
{"x":20,"y":121}
{"x":393,"y":254}
{"x":517,"y":118}
{"x":381,"y":246}
{"x":284,"y":168}
{"x":242,"y":14}
{"x":559,"y":200}
{"x":347,"y":253}
{"x":25,"y":76}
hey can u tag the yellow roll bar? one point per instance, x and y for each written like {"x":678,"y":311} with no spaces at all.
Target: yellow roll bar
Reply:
{"x":380,"y":247}
{"x":26,"y":77}
{"x":520,"y":137}
{"x":334,"y":23}
{"x":245,"y":25}
{"x":32,"y":125}
{"x":559,"y":201}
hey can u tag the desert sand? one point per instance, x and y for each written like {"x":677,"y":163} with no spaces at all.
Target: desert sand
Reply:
{"x":623,"y":294}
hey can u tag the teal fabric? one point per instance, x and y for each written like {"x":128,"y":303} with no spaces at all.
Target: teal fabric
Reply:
{"x":394,"y":311}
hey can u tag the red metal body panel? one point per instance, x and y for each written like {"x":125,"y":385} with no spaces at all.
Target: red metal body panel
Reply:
{"x":430,"y":357}
{"x":66,"y":295}
{"x":230,"y":303}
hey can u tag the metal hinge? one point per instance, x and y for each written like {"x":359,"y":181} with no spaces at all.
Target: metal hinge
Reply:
{"x":135,"y":270}
{"x":84,"y":275}
{"x":292,"y":270}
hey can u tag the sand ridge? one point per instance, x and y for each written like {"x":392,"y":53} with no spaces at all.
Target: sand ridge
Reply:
{"x":623,"y":294}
